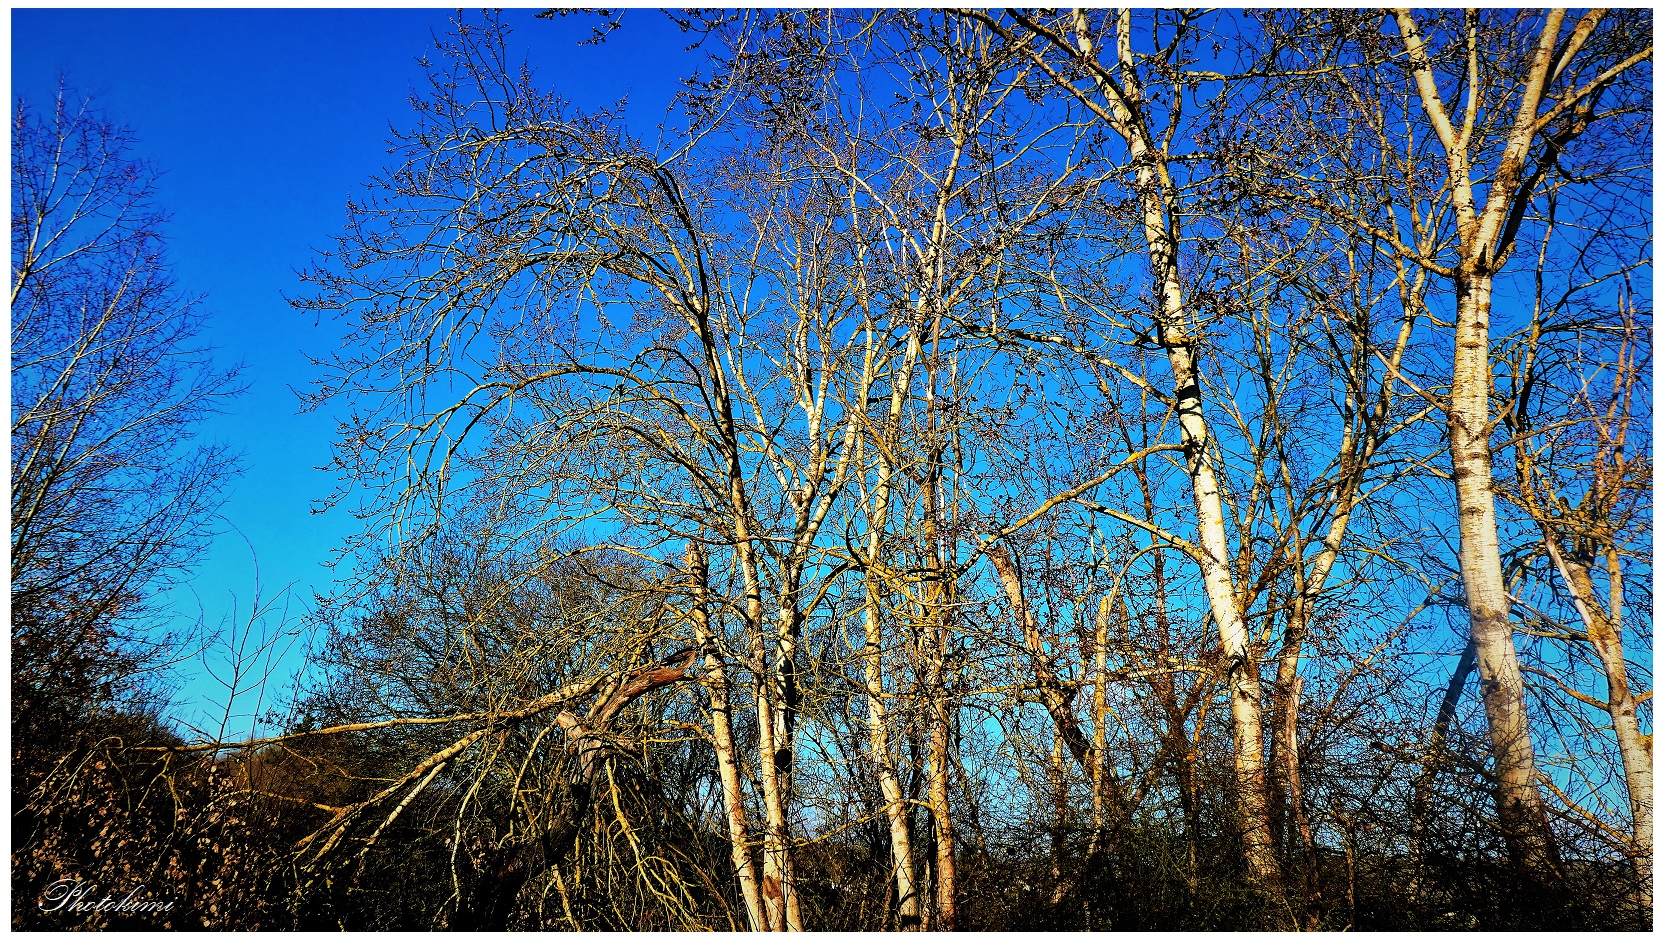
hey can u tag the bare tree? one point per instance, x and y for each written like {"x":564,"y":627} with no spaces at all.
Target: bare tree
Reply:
{"x":1507,"y":96}
{"x":878,"y":502}
{"x":1121,"y":95}
{"x":111,"y":494}
{"x":1582,"y":479}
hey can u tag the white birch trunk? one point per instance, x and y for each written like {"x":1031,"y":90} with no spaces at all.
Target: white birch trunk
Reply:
{"x":726,"y":755}
{"x":1154,"y":189}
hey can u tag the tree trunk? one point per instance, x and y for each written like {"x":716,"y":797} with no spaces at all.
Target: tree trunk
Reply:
{"x":775,"y":862}
{"x":883,"y":762}
{"x":937,"y":613}
{"x":941,"y":815}
{"x":1060,"y":821}
{"x":784,"y":739}
{"x":1152,"y":184}
{"x":772,"y":711}
{"x":1635,"y":746}
{"x":938,"y":771}
{"x":775,"y":887}
{"x":896,"y":807}
{"x":1289,"y":755}
{"x":1098,"y":768}
{"x":1517,"y":796}
{"x":726,"y":755}
{"x":1186,"y":776}
{"x":1347,"y":827}
{"x":1605,"y":632}
{"x":1485,"y":239}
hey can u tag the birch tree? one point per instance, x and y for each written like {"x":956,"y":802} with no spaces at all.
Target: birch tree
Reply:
{"x":1121,"y":95}
{"x":1503,"y":97}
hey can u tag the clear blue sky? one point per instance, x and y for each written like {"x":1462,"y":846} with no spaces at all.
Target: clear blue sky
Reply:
{"x":264,"y":123}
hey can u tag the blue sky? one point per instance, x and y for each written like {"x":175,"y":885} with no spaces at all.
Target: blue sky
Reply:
{"x":264,"y":123}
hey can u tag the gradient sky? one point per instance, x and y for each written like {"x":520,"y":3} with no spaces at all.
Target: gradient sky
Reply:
{"x":264,"y":122}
